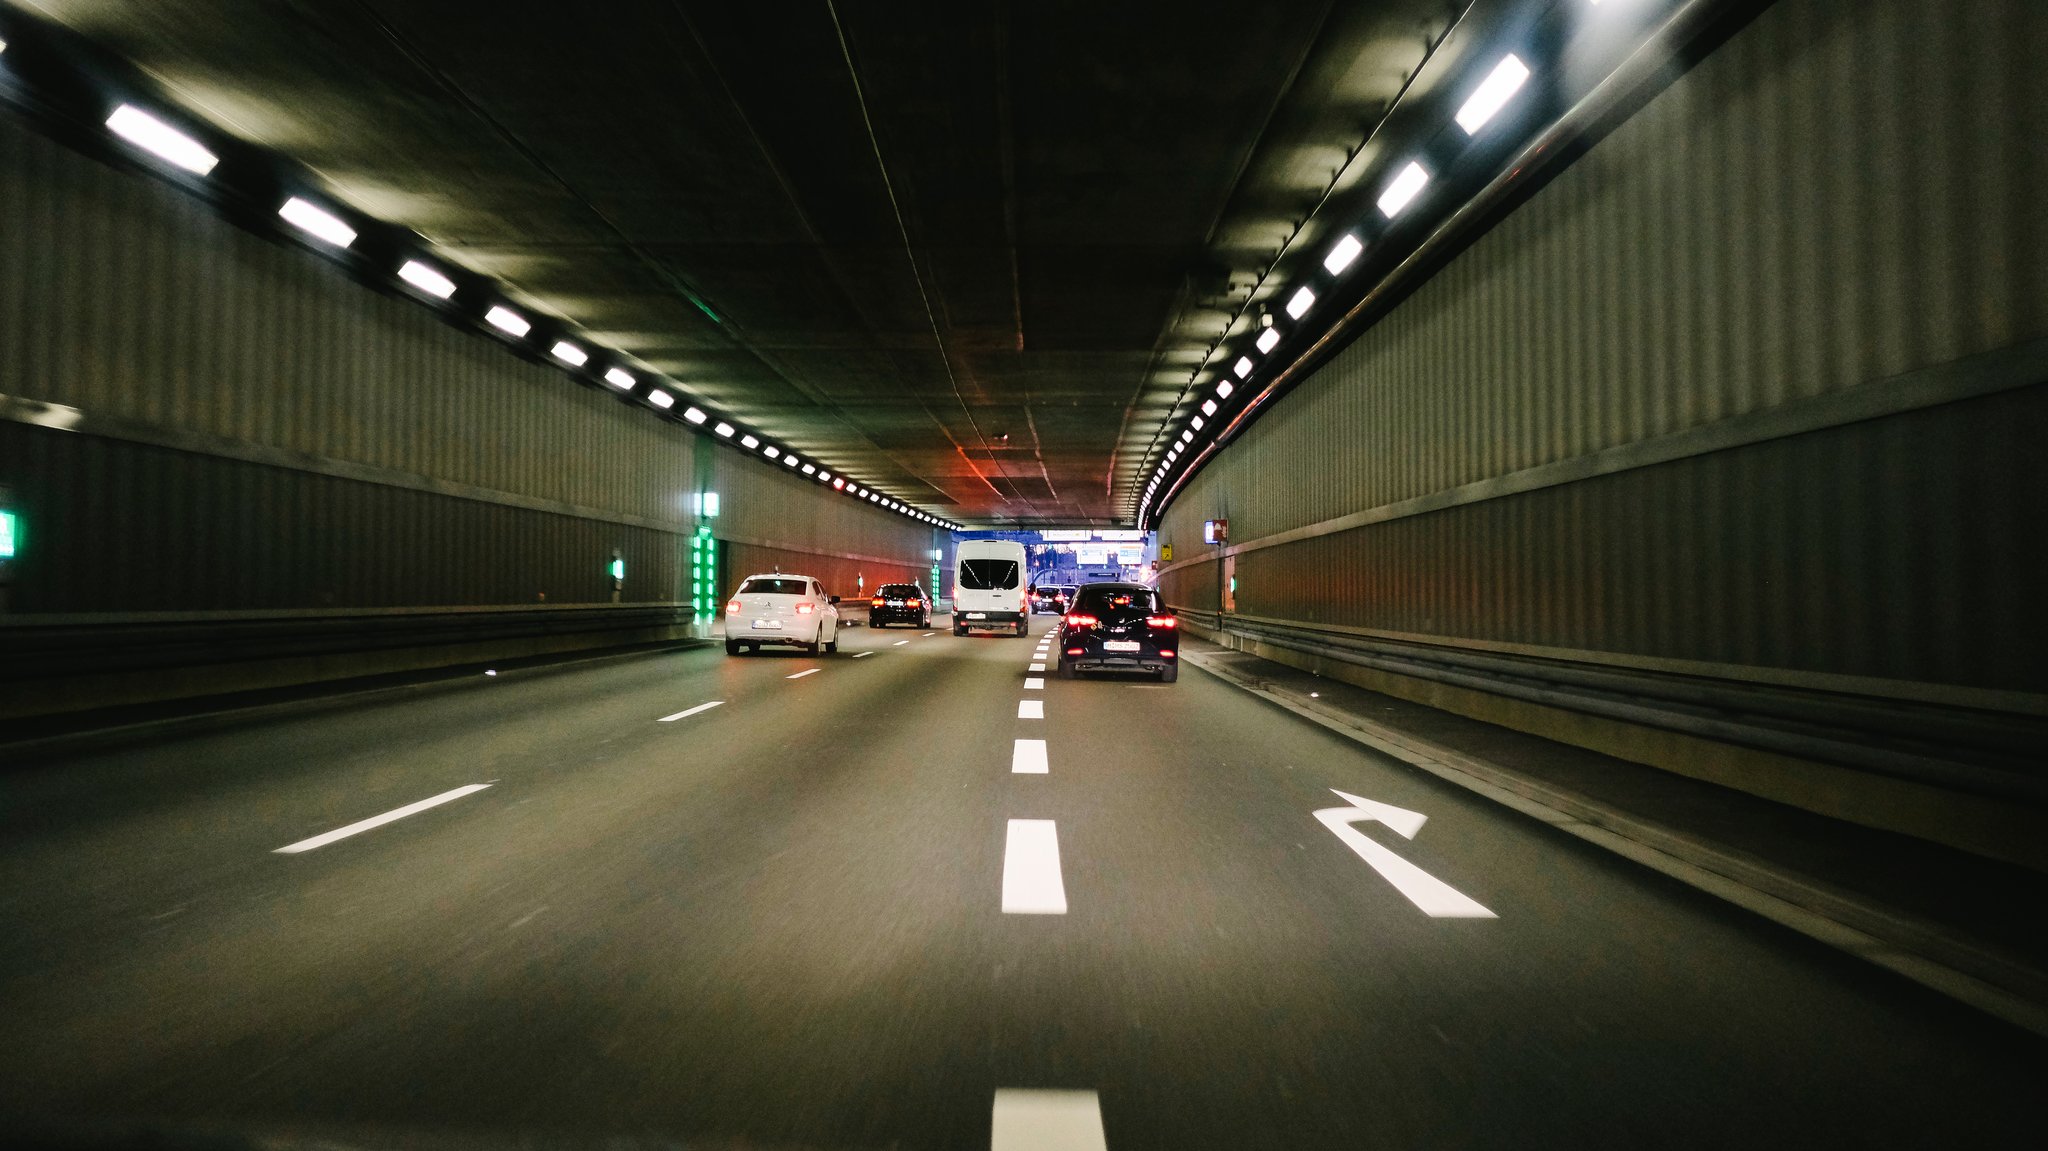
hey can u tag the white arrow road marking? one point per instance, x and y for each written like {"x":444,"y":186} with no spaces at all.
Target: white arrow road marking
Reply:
{"x":689,"y":711}
{"x":1030,"y":709}
{"x":1046,"y":1121}
{"x":805,"y":672}
{"x":376,"y":821}
{"x":1031,"y":869}
{"x":1028,"y":758}
{"x":1437,"y":899}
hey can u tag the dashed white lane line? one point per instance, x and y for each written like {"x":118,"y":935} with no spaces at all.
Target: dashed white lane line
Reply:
{"x":376,"y":821}
{"x":1031,"y":869}
{"x":862,"y":654}
{"x":690,"y":711}
{"x":805,"y":672}
{"x":929,"y":635}
{"x":899,"y":643}
{"x":1030,"y":709}
{"x":1029,"y":1120}
{"x":1037,"y":667}
{"x":1033,"y":683}
{"x":1028,"y":758}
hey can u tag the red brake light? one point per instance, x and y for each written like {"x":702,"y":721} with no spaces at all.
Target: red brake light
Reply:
{"x":1166,"y":621}
{"x":1078,"y":619}
{"x":878,"y":601}
{"x":806,"y":608}
{"x":732,"y":607}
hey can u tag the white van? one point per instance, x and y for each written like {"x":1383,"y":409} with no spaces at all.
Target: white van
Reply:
{"x":988,"y":587}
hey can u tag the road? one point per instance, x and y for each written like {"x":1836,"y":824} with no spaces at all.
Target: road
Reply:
{"x":781,"y":922}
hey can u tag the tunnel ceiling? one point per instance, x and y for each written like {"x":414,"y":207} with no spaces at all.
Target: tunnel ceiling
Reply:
{"x":968,"y":254}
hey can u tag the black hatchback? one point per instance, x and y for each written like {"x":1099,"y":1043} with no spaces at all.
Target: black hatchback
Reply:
{"x":1119,"y":627}
{"x":899,"y":603}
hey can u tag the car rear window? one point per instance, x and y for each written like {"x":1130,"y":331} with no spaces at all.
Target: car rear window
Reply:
{"x":775,"y":587}
{"x":1105,"y":600}
{"x":898,"y":589}
{"x":988,"y":575}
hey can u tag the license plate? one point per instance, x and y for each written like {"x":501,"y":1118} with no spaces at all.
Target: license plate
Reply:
{"x":776,"y":625}
{"x":977,"y":615}
{"x":895,"y":603}
{"x":1120,"y":645}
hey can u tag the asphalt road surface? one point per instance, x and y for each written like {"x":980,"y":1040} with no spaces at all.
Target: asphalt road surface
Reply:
{"x":844,"y":909}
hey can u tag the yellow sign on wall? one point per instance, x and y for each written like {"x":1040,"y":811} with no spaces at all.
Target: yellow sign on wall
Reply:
{"x":1165,"y":553}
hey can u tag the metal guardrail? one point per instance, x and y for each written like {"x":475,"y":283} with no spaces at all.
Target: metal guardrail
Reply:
{"x":1982,"y":752}
{"x":33,"y":649}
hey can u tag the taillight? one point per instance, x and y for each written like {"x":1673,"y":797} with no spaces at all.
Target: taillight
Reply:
{"x":878,"y":601}
{"x":806,"y":608}
{"x":1074,"y":651}
{"x":1165,"y":621}
{"x":732,"y":608}
{"x":1078,"y":620}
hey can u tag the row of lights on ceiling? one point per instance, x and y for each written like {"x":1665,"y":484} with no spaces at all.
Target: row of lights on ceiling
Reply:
{"x":1507,"y":77}
{"x":153,"y":135}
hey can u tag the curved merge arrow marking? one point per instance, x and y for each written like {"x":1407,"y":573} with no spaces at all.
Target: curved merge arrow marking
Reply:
{"x":1437,"y":899}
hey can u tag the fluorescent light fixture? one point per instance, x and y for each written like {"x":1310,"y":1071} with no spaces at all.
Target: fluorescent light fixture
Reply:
{"x":1341,"y":254}
{"x":1198,"y":422}
{"x":695,"y":415}
{"x":1186,"y":437}
{"x":1208,"y":407}
{"x":426,"y":279}
{"x":1268,"y":338}
{"x":153,"y":135}
{"x":810,"y":469}
{"x":750,"y":442}
{"x":823,"y":475}
{"x":789,"y":460}
{"x":569,"y":353}
{"x":619,"y":378}
{"x":772,"y":452}
{"x":1402,"y":188}
{"x":507,"y":320}
{"x":840,"y":484}
{"x":1243,"y":368}
{"x":1493,"y":93}
{"x":724,"y":429}
{"x":1224,"y":388}
{"x":661,"y":399}
{"x":317,"y":222}
{"x":1299,"y":304}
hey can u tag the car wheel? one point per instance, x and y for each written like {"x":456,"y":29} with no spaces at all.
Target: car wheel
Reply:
{"x":832,"y":645}
{"x":1067,"y":670}
{"x":959,"y":629}
{"x":1169,"y":673}
{"x":732,"y":647}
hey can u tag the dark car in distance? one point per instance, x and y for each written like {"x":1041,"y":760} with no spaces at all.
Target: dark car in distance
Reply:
{"x":1119,"y":627}
{"x":1052,"y":598}
{"x":899,"y":603}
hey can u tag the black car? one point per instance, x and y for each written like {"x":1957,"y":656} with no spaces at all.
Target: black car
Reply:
{"x":899,"y":603}
{"x":1119,"y":627}
{"x":1052,"y":598}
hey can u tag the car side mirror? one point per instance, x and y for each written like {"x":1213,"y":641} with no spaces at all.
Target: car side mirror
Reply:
{"x":835,"y":599}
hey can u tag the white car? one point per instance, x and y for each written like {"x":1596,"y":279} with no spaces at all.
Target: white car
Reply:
{"x":781,"y":608}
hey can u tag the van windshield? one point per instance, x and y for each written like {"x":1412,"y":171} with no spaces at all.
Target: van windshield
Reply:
{"x":988,"y":575}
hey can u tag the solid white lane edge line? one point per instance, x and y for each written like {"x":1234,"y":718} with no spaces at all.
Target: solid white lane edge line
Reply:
{"x":1030,"y":709}
{"x":1031,"y":869}
{"x":804,"y":672}
{"x":899,"y":643}
{"x":689,"y":711}
{"x":1028,"y":758}
{"x":1032,"y":1120}
{"x":1032,"y":683}
{"x":376,"y":821}
{"x":1037,"y":667}
{"x":862,"y":654}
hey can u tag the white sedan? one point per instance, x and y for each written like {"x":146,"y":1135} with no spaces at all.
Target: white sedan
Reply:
{"x":784,"y":609}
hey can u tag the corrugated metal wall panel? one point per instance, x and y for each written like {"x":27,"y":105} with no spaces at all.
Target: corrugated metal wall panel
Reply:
{"x":1840,"y":194}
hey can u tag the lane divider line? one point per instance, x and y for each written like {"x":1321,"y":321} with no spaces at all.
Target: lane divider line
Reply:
{"x":899,"y":643}
{"x":805,"y":672}
{"x":690,"y":711}
{"x":1033,"y":683}
{"x":929,"y":634}
{"x":1035,"y":1120}
{"x":1028,"y":758}
{"x":1037,"y":667}
{"x":1030,"y":709}
{"x":862,"y":654}
{"x":1031,"y":869}
{"x":377,"y":821}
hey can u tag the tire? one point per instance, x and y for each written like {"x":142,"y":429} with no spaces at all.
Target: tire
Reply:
{"x":832,"y":645}
{"x":1067,"y":670}
{"x":732,"y":647}
{"x":1169,"y":674}
{"x":959,"y":629}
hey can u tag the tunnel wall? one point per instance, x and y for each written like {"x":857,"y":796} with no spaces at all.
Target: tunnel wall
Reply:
{"x":196,"y":422}
{"x":1752,"y":392}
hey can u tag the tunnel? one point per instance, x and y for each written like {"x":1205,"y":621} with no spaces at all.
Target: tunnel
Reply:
{"x":825,"y":575}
